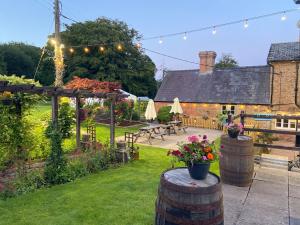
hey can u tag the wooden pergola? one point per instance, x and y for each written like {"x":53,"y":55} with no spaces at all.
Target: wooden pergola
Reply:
{"x":55,"y":93}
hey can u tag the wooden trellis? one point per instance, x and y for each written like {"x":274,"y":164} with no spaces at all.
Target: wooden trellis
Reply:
{"x":55,"y":92}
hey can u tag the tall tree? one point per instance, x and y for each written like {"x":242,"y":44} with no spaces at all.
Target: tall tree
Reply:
{"x":22,"y":60}
{"x":226,"y":61}
{"x":118,"y":60}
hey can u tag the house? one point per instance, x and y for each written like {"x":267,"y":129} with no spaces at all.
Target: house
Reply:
{"x":267,"y":89}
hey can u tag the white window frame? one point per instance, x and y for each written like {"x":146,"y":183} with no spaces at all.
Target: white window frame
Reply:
{"x":228,"y":109}
{"x":283,"y":122}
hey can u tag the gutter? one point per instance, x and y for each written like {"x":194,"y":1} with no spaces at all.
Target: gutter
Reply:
{"x":296,"y":87}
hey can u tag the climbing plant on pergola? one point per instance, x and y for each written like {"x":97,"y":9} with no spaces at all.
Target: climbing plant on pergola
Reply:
{"x":55,"y":93}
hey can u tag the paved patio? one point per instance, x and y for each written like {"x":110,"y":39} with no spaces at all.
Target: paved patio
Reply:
{"x":172,"y":140}
{"x":272,"y":199}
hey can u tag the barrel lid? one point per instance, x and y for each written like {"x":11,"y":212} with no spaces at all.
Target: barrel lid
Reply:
{"x":179,"y":178}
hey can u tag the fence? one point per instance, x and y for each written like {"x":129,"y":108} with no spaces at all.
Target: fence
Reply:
{"x":200,"y":122}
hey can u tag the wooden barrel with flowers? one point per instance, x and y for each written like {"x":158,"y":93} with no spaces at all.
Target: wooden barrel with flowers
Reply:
{"x":185,"y":201}
{"x":237,"y":160}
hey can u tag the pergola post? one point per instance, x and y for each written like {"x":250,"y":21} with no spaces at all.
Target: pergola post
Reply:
{"x":77,"y":100}
{"x":54,"y":109}
{"x":112,"y":121}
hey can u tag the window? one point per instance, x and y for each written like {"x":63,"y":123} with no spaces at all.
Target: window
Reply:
{"x":286,"y":124}
{"x":228,"y":109}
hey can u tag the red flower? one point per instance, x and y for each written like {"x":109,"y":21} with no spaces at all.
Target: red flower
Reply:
{"x":186,"y":148}
{"x":222,"y":146}
{"x":176,"y":153}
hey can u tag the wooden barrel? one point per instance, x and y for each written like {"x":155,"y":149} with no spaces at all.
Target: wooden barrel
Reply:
{"x":237,"y":160}
{"x":184,"y":201}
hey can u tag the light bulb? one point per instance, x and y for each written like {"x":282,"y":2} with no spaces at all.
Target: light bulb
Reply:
{"x":160,"y":41}
{"x":86,"y":50}
{"x":101,"y":49}
{"x":246,"y":25}
{"x":119,"y":47}
{"x":62,"y":46}
{"x":214,"y":31}
{"x":71,"y":50}
{"x":138,"y":45}
{"x":283,"y":18}
{"x":185,"y":37}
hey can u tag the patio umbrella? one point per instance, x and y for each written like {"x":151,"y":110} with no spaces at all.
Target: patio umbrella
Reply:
{"x":176,"y":107}
{"x":150,"y":113}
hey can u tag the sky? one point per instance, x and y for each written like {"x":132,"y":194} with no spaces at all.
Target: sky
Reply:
{"x":31,"y":21}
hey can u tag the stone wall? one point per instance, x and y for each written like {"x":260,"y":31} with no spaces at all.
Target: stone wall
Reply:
{"x":211,"y":110}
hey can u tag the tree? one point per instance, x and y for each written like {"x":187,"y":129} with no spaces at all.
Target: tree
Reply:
{"x":120,"y":59}
{"x":226,"y":61}
{"x":22,"y":59}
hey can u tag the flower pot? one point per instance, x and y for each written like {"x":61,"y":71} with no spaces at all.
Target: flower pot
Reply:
{"x":198,"y":171}
{"x":233,"y":133}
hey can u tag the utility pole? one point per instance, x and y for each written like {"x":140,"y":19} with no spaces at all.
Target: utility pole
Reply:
{"x":58,"y":57}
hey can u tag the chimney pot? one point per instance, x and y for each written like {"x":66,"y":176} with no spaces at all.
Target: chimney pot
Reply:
{"x":207,"y":61}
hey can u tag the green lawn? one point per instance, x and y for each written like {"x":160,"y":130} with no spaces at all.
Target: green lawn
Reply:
{"x":41,"y":114}
{"x":121,"y":196}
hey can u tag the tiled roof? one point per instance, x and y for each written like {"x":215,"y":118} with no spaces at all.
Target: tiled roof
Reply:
{"x":284,"y":52}
{"x":241,"y":85}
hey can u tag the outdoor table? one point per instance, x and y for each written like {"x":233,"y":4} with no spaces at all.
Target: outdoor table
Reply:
{"x":151,"y":132}
{"x":174,"y":124}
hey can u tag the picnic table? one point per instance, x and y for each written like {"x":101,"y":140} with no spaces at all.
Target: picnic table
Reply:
{"x":176,"y":124}
{"x":150,"y":132}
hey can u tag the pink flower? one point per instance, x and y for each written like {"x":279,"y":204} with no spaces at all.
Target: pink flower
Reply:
{"x":204,"y":157}
{"x":193,"y":139}
{"x":222,"y":146}
{"x":220,"y":154}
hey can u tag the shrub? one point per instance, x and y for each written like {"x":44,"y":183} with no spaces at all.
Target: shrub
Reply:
{"x":56,"y":164}
{"x":164,"y":115}
{"x":97,"y":162}
{"x":65,"y":119}
{"x":77,"y":168}
{"x":24,"y":184}
{"x":135,"y":116}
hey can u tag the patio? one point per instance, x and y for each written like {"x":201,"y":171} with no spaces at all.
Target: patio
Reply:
{"x":272,"y":199}
{"x":171,"y":141}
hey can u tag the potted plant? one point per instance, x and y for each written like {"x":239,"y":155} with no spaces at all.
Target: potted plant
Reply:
{"x":197,"y":154}
{"x":234,"y":130}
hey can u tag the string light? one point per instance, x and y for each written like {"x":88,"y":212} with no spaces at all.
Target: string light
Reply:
{"x":101,"y":49}
{"x":160,"y":40}
{"x":52,"y":41}
{"x":229,"y":23}
{"x":283,"y":18}
{"x":246,"y":25}
{"x":214,"y":31}
{"x":71,"y":50}
{"x":185,"y":37}
{"x":62,"y":46}
{"x":86,"y":50}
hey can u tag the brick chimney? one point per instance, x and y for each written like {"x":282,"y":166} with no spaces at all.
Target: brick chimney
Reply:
{"x":207,"y":61}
